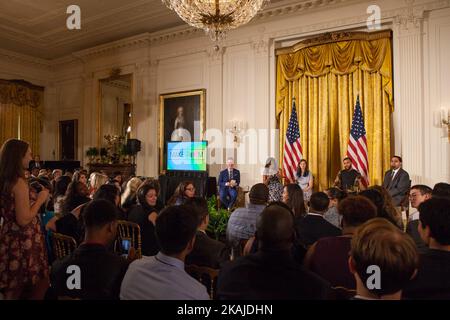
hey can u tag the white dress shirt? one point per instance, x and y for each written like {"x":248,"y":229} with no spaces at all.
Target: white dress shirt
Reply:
{"x":160,"y":277}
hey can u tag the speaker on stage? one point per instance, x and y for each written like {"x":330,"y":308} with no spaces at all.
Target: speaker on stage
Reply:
{"x":133,"y":146}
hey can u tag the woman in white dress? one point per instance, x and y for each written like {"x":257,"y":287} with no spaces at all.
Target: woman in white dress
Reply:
{"x":304,"y":179}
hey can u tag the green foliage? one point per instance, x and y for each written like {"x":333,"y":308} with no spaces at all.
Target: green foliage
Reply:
{"x":92,"y":152}
{"x":218,"y":219}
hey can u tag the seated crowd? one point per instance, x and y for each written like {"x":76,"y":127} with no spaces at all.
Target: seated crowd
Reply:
{"x":331,"y":246}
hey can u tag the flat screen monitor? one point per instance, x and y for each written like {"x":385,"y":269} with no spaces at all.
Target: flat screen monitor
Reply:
{"x":187,"y":156}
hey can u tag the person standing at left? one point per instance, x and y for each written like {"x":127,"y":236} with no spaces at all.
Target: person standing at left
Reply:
{"x":24,"y":270}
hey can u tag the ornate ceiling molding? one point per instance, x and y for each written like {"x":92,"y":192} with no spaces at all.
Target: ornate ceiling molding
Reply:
{"x":22,"y":58}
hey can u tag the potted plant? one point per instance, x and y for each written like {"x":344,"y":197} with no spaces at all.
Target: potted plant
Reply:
{"x":92,"y":152}
{"x":218,"y":220}
{"x":125,"y":153}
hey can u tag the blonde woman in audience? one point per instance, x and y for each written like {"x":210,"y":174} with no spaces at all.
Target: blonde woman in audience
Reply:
{"x":96,"y":180}
{"x":128,"y":198}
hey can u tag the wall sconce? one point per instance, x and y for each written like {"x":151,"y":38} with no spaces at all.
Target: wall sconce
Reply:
{"x":236,"y":128}
{"x":445,"y":121}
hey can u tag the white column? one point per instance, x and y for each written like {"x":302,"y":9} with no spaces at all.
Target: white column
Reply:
{"x":409,"y":97}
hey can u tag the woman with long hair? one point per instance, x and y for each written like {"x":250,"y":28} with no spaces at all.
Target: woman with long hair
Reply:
{"x":272,"y":179}
{"x":145,"y":214}
{"x":23,"y":257}
{"x":96,"y":180}
{"x":128,"y":198}
{"x":80,"y":176}
{"x":304,"y":179}
{"x":59,"y":193}
{"x":185,"y":190}
{"x":293,"y":198}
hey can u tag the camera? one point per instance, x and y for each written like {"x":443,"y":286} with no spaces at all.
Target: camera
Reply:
{"x":36,"y":186}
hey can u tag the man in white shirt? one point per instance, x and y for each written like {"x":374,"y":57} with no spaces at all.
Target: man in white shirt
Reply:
{"x":162,"y":277}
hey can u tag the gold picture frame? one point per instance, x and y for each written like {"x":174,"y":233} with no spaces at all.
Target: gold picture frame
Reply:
{"x":177,"y":124}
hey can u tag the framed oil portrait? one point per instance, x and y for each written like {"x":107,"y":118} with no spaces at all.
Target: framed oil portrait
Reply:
{"x":181,"y":118}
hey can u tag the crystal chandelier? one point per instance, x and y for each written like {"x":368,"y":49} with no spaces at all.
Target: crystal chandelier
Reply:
{"x":216,"y":17}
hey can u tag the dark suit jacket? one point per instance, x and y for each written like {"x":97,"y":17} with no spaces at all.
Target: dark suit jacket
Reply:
{"x":139,"y":215}
{"x":224,"y":177}
{"x":433,"y":277}
{"x":399,"y":187}
{"x":208,"y":252}
{"x":312,"y":228}
{"x":101,"y":273}
{"x":269,"y":276}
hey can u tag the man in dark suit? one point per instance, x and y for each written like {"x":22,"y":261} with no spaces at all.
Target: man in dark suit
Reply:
{"x":314,"y":226}
{"x":207,"y":252}
{"x":36,"y":163}
{"x":396,"y":181}
{"x":271,"y":273}
{"x":229,"y":180}
{"x":100,"y":271}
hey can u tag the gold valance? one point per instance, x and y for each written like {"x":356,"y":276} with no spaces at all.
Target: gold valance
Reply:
{"x":337,"y":53}
{"x":20,"y":93}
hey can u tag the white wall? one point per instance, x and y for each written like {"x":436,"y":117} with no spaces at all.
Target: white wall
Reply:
{"x":239,"y":77}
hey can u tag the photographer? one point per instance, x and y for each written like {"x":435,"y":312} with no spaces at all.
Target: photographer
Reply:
{"x":21,"y":240}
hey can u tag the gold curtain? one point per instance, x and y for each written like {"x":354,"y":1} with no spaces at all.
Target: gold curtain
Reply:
{"x":20,"y":112}
{"x":326,"y":75}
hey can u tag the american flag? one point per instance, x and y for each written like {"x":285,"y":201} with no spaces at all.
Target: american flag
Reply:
{"x":292,"y":146}
{"x":357,"y":145}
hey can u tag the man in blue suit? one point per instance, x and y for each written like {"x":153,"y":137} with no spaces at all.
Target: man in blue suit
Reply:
{"x":229,"y":180}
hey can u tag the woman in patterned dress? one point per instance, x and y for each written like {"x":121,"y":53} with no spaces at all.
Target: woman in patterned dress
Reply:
{"x":23,"y":257}
{"x":271,"y":178}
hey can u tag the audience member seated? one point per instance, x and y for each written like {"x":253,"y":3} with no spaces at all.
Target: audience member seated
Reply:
{"x":377,"y":199}
{"x":293,"y":197}
{"x":59,"y":194}
{"x":183,"y":192}
{"x":393,"y":253}
{"x":129,"y":199}
{"x":332,"y":215}
{"x":207,"y":251}
{"x":242,"y":222}
{"x":313,"y":226}
{"x":433,"y":277}
{"x":271,"y":273}
{"x":417,"y":195}
{"x":111,"y":193}
{"x":101,"y":271}
{"x":328,"y":257}
{"x":80,"y":176}
{"x":145,"y":214}
{"x":441,"y":190}
{"x":162,"y":277}
{"x":389,"y":206}
{"x":96,"y":180}
{"x":71,"y":222}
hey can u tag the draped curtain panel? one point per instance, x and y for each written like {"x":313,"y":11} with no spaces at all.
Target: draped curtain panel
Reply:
{"x":326,"y":75}
{"x":20,"y":112}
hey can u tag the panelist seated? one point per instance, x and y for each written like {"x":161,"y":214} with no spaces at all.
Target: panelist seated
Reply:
{"x":348,"y":178}
{"x":229,"y":180}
